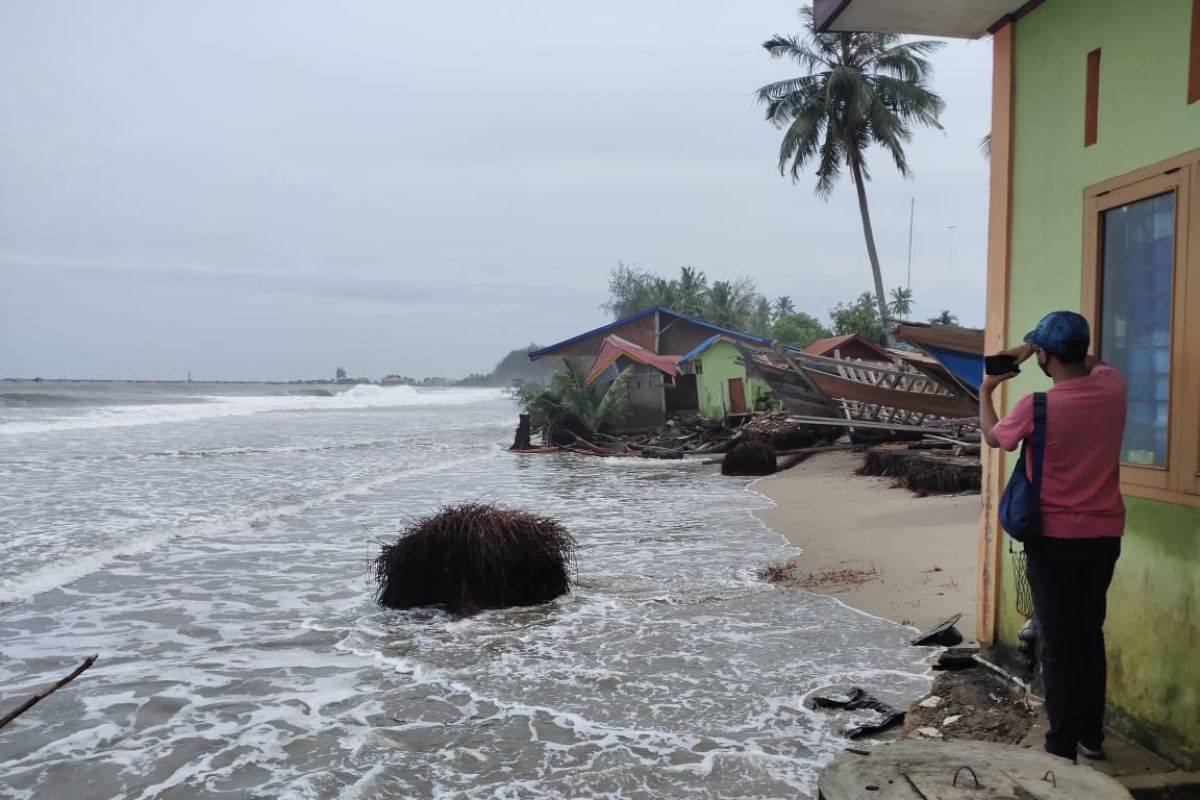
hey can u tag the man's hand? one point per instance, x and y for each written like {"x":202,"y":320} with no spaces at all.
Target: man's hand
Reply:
{"x":1021,"y":352}
{"x":990,"y":382}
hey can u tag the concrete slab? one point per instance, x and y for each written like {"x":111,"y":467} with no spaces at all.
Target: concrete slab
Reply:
{"x":961,"y":770}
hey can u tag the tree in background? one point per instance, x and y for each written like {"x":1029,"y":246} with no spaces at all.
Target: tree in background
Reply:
{"x":798,"y":329}
{"x":859,"y":316}
{"x":783,"y":306}
{"x":901,"y":303}
{"x":945,"y":318}
{"x":856,"y":90}
{"x":693,"y":292}
{"x":339,"y":374}
{"x":730,"y":303}
{"x":761,"y":317}
{"x":629,"y":290}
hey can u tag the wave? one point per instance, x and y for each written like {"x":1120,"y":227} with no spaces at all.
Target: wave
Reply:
{"x":60,"y":572}
{"x":27,"y":399}
{"x":214,"y":407}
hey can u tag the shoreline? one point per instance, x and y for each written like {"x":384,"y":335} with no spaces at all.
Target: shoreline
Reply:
{"x":877,"y":548}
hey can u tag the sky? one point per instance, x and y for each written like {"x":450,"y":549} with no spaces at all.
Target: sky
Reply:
{"x":247,"y":189}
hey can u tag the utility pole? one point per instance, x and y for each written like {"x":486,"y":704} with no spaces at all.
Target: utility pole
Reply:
{"x":912,"y":210}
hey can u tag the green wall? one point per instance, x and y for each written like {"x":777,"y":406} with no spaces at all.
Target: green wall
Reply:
{"x":719,"y":363}
{"x":1154,"y":622}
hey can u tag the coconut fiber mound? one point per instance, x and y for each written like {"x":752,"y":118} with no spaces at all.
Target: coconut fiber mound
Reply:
{"x":471,"y":557}
{"x":750,"y":457}
{"x":924,"y":471}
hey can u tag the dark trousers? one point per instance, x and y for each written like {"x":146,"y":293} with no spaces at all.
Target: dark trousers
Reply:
{"x":1069,"y":579}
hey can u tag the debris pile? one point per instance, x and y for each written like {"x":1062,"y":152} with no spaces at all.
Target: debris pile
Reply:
{"x":689,"y":436}
{"x":972,"y":704}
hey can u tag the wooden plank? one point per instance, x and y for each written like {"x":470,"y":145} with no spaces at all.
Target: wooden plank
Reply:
{"x":971,"y":434}
{"x":941,"y":405}
{"x":995,"y":334}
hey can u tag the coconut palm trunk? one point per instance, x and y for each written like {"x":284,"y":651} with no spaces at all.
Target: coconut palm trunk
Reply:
{"x":869,"y":234}
{"x":855,"y":90}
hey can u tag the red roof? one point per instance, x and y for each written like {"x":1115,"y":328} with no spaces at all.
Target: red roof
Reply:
{"x":851,"y":345}
{"x":614,"y":347}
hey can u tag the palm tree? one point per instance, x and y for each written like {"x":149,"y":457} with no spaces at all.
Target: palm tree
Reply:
{"x":693,"y":289}
{"x":944,"y":318}
{"x":857,"y":90}
{"x":901,"y":302}
{"x":730,"y":303}
{"x":571,"y":406}
{"x":783,"y":306}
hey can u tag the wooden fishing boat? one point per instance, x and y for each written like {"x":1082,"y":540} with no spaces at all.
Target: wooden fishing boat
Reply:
{"x":873,"y":384}
{"x":795,"y":391}
{"x":870,"y":391}
{"x":958,"y":350}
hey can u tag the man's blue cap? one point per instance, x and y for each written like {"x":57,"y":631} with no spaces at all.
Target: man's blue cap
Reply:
{"x":1061,"y":332}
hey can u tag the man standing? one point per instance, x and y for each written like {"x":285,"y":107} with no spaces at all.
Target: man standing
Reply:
{"x":1083,"y":517}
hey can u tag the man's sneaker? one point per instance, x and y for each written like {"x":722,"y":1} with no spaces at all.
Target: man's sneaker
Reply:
{"x":1089,"y":753}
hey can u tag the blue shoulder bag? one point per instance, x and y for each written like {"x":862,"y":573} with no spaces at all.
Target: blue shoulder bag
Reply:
{"x":1021,"y":503}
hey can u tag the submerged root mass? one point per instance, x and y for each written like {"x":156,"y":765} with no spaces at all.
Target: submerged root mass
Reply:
{"x":472,"y":557}
{"x":752,"y":456}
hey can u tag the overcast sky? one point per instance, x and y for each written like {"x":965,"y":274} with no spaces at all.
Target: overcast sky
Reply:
{"x":268,"y":190}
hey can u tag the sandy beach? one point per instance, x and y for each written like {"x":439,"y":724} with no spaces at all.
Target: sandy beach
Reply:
{"x":878,"y":548}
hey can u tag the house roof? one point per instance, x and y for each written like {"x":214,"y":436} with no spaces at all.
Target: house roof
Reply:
{"x":826,"y":347}
{"x":966,"y":19}
{"x":549,"y":350}
{"x":614,"y":347}
{"x":700,"y":348}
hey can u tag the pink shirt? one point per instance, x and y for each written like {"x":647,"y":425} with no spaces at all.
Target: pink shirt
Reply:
{"x":1081,"y":481}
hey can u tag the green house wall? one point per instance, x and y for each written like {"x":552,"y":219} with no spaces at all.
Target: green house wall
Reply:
{"x":719,"y":363}
{"x":1153,"y":629}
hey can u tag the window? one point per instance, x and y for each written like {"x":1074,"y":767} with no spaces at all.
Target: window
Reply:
{"x":1135,"y":317}
{"x":1136,"y":290}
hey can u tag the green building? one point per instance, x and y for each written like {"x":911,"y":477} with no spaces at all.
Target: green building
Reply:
{"x":1095,"y":206}
{"x":722,"y":386}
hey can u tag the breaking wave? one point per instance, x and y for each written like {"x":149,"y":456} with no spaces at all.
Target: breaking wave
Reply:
{"x":213,"y":407}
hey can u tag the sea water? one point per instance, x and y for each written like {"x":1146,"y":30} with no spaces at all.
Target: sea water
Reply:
{"x":213,"y":544}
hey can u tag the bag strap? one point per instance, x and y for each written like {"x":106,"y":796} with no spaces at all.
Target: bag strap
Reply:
{"x":1038,"y":440}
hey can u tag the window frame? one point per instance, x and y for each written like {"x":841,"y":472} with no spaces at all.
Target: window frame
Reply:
{"x":1179,"y":480}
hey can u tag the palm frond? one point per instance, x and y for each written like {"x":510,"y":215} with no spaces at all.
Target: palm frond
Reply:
{"x":614,"y":405}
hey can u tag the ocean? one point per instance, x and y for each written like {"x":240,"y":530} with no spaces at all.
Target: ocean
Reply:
{"x":213,"y":542}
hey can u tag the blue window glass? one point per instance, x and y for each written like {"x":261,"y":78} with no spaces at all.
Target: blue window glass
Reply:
{"x":1135,"y":328}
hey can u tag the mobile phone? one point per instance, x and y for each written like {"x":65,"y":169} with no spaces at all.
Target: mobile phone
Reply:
{"x":1000,"y":364}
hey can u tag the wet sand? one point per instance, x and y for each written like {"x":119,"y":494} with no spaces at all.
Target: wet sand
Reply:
{"x":877,"y":548}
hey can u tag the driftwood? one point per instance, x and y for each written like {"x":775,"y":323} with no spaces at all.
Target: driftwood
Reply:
{"x":521,"y":439}
{"x":44,"y":693}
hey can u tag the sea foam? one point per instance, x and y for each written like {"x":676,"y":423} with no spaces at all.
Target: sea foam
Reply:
{"x":215,"y":407}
